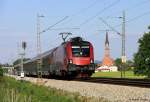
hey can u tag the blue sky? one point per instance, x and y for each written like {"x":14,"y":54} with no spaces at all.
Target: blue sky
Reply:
{"x":18,"y":23}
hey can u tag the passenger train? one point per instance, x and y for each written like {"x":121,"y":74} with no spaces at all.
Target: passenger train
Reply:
{"x":72,"y":59}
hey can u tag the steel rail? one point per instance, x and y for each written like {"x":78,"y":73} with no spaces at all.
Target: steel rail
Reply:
{"x":119,"y":81}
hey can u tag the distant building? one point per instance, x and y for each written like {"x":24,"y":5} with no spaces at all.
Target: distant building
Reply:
{"x":107,"y":62}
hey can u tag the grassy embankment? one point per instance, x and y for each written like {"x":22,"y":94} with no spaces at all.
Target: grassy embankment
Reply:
{"x":17,"y":91}
{"x":128,"y":74}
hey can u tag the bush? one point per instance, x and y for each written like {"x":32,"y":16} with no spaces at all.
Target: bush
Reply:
{"x":1,"y":71}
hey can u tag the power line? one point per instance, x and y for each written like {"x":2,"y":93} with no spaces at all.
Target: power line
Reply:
{"x":83,"y":10}
{"x":134,"y":18}
{"x":104,"y":9}
{"x":86,"y":8}
{"x":54,"y":24}
{"x":132,"y":7}
{"x":112,"y":28}
{"x":63,"y":28}
{"x":137,"y":5}
{"x":137,"y":17}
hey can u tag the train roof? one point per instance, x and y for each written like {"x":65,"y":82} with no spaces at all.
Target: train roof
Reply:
{"x":74,"y":40}
{"x":78,"y":40}
{"x":41,"y":55}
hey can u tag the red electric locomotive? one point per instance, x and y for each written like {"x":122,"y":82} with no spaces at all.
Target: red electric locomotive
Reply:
{"x":74,"y":58}
{"x":80,"y":58}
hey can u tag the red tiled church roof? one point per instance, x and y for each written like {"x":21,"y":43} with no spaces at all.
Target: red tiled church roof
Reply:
{"x":107,"y":61}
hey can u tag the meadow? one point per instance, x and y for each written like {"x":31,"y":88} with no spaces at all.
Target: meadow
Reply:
{"x":128,"y":74}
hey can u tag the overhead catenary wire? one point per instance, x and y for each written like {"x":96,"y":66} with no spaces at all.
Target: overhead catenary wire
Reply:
{"x":54,"y":24}
{"x":64,"y":28}
{"x":132,"y":7}
{"x":104,"y":9}
{"x":137,"y":5}
{"x":82,"y":10}
{"x":112,"y":28}
{"x":134,"y":18}
{"x":137,"y":17}
{"x":86,"y":8}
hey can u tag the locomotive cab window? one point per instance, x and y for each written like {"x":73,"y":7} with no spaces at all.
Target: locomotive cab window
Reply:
{"x":81,"y":51}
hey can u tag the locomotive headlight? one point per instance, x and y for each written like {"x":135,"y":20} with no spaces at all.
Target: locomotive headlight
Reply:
{"x":70,"y":61}
{"x":91,"y":61}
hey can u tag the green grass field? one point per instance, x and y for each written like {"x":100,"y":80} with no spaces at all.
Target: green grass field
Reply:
{"x":128,"y":74}
{"x":17,"y":91}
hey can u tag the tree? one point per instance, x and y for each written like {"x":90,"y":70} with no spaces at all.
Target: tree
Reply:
{"x":128,"y":65}
{"x":142,"y":57}
{"x":1,"y":71}
{"x":118,"y":63}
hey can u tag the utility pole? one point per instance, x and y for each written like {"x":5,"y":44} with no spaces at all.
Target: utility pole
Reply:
{"x":123,"y":57}
{"x":39,"y":49}
{"x":22,"y":72}
{"x":22,"y":54}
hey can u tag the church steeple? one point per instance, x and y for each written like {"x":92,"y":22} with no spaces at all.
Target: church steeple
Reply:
{"x":106,"y":45}
{"x":107,"y":60}
{"x":106,"y":41}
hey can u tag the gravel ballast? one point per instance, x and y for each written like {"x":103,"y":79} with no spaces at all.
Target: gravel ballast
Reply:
{"x":109,"y":92}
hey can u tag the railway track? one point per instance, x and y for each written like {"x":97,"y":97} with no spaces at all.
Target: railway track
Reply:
{"x":145,"y":83}
{"x":119,"y":81}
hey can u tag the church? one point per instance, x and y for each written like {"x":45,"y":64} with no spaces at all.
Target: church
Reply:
{"x":107,"y":64}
